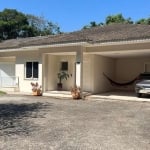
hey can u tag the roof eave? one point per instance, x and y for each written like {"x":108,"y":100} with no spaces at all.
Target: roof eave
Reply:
{"x":118,"y":42}
{"x":40,"y":47}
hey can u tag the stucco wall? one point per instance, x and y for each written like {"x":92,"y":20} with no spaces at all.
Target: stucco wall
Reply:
{"x":128,"y":68}
{"x":88,"y":72}
{"x":8,"y":59}
{"x":54,"y":67}
{"x":67,"y":84}
{"x":21,"y":59}
{"x":103,"y":65}
{"x":121,"y":70}
{"x":7,"y":66}
{"x":7,"y":73}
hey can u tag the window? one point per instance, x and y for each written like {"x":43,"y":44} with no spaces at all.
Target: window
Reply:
{"x":32,"y":69}
{"x":64,"y":66}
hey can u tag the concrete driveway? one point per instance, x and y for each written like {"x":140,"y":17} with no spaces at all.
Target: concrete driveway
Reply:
{"x":43,"y":123}
{"x":119,"y":95}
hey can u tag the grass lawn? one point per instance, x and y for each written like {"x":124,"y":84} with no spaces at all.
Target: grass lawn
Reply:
{"x":2,"y":93}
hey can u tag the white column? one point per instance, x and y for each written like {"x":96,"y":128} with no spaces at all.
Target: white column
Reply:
{"x":78,"y":74}
{"x":79,"y":69}
{"x":43,"y":73}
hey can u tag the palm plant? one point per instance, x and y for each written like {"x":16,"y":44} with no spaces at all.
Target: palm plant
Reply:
{"x":61,"y":76}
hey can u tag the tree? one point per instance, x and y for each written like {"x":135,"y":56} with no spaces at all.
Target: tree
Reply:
{"x":11,"y":23}
{"x":117,"y":19}
{"x":92,"y":24}
{"x":143,"y":21}
{"x":15,"y":24}
{"x":112,"y":19}
{"x":42,"y":26}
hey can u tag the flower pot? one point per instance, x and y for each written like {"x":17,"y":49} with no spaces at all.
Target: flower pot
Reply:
{"x":36,"y":89}
{"x":76,"y":93}
{"x":59,"y":86}
{"x":37,"y":93}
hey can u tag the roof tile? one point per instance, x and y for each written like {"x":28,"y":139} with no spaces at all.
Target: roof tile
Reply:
{"x":109,"y":33}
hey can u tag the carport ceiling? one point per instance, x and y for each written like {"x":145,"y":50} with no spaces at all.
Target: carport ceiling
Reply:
{"x":124,"y":53}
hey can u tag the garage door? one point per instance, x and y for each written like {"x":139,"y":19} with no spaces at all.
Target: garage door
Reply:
{"x":7,"y":74}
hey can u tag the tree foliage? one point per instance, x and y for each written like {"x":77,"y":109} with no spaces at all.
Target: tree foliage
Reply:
{"x":11,"y":23}
{"x":42,"y":26}
{"x":15,"y":24}
{"x":118,"y":18}
{"x":145,"y":21}
{"x":92,"y":24}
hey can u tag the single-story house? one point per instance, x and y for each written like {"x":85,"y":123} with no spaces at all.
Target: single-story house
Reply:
{"x":121,"y":51}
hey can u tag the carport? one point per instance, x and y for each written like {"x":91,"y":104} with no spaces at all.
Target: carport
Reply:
{"x":121,"y":61}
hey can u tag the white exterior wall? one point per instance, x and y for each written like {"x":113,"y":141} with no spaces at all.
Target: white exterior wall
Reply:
{"x":67,"y":84}
{"x":88,"y":72}
{"x":7,"y":66}
{"x":21,"y":59}
{"x":7,"y":73}
{"x":45,"y":72}
{"x":103,"y":65}
{"x":129,"y":68}
{"x":54,"y":67}
{"x":52,"y":72}
{"x":121,"y":70}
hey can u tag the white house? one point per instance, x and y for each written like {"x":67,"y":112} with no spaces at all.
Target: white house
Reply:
{"x":120,"y":51}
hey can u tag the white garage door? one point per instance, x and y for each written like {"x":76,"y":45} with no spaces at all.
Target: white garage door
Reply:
{"x":7,"y":74}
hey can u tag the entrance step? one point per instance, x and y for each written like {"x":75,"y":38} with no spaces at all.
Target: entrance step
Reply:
{"x":58,"y":94}
{"x":63,"y":94}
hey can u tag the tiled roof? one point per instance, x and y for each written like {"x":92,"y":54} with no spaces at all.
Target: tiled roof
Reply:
{"x":110,"y":33}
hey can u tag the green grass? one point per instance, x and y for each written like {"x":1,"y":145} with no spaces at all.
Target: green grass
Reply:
{"x":2,"y":93}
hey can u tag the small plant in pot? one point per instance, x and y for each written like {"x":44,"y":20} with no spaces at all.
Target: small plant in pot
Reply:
{"x":76,"y":92}
{"x":36,"y":89}
{"x":61,"y":76}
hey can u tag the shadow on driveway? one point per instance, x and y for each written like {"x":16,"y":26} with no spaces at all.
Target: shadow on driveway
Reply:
{"x":16,"y":119}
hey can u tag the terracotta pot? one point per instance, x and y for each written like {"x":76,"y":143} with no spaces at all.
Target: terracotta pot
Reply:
{"x":37,"y":93}
{"x":59,"y":86}
{"x":76,"y":95}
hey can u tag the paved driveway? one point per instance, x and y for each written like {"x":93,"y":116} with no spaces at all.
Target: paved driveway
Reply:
{"x":42,"y":123}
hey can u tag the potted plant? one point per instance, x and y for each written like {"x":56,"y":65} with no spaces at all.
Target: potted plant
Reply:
{"x":36,"y":89}
{"x":76,"y":92}
{"x":61,"y":76}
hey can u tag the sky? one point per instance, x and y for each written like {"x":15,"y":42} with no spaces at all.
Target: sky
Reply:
{"x":72,"y":15}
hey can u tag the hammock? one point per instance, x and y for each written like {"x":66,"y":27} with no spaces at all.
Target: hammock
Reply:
{"x":119,"y":84}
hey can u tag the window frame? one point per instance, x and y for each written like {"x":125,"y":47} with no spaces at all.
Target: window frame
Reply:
{"x":61,"y":66}
{"x":32,"y":76}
